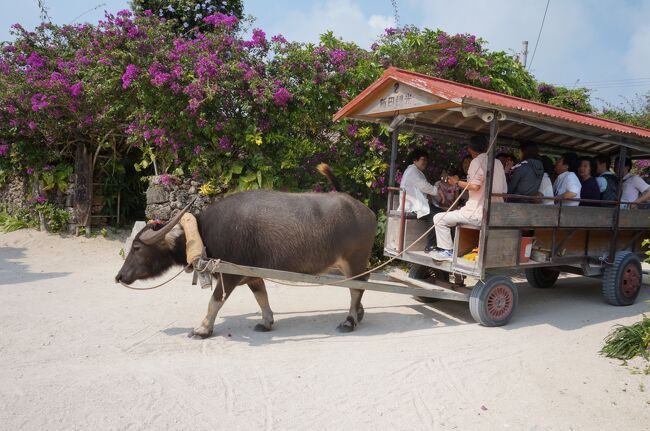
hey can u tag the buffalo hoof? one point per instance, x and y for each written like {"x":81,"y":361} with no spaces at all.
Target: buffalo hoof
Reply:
{"x":201,"y":332}
{"x":261,"y":328}
{"x":360,"y":313}
{"x":347,"y":326}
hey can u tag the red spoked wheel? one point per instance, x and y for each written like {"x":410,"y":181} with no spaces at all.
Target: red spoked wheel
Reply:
{"x":622,"y":280}
{"x":493,"y":301}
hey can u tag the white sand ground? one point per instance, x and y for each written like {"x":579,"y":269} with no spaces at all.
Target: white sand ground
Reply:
{"x":80,"y":352}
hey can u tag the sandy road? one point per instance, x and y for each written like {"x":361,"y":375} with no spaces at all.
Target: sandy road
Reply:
{"x":79,"y":352}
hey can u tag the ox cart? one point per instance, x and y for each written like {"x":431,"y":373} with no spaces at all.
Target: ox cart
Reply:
{"x":540,"y":240}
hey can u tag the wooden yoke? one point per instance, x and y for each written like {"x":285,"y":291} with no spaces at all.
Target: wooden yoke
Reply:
{"x":193,"y":242}
{"x":194,"y":249}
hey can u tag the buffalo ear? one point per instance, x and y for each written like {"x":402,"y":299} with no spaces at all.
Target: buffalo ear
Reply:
{"x":153,"y":236}
{"x":173,"y":235}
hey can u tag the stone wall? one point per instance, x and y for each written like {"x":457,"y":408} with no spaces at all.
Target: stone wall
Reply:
{"x":165,"y":200}
{"x":14,"y":194}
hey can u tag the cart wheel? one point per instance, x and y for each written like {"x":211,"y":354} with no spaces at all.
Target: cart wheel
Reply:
{"x":493,"y":302}
{"x":622,"y":280}
{"x":542,"y":278}
{"x":421,"y":272}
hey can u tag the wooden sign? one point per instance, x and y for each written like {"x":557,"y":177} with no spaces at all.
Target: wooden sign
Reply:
{"x":402,"y":98}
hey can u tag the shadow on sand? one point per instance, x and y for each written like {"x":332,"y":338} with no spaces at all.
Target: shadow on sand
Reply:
{"x":14,"y":271}
{"x":574,"y":303}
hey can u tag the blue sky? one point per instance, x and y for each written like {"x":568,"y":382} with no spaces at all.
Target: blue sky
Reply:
{"x":601,"y":44}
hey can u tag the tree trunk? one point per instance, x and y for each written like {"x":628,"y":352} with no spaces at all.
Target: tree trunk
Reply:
{"x":83,"y":199}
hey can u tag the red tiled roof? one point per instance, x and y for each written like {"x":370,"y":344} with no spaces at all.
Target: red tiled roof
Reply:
{"x":458,"y":93}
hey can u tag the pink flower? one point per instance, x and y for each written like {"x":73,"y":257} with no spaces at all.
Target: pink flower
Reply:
{"x":129,"y":75}
{"x":337,"y":56}
{"x":278,"y":38}
{"x":282,"y":97}
{"x":224,"y":144}
{"x":39,"y":101}
{"x":165,"y":179}
{"x":76,"y":89}
{"x":259,"y":38}
{"x":220,"y":19}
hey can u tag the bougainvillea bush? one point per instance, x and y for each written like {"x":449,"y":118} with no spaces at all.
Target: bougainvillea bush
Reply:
{"x":223,"y":103}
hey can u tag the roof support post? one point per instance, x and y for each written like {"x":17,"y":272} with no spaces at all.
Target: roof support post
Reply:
{"x":393,"y":157}
{"x":489,"y":174}
{"x":617,"y":213}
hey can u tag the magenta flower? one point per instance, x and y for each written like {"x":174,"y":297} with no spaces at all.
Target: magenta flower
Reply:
{"x":165,"y":179}
{"x":29,"y":170}
{"x":220,"y":19}
{"x":35,"y":61}
{"x":282,"y":97}
{"x":39,"y":101}
{"x":76,"y":89}
{"x":224,"y":144}
{"x":4,"y":149}
{"x":259,"y":38}
{"x":129,"y":75}
{"x":338,"y":56}
{"x":278,"y":38}
{"x":40,"y":199}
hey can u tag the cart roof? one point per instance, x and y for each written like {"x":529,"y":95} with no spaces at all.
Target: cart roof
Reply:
{"x":433,"y":105}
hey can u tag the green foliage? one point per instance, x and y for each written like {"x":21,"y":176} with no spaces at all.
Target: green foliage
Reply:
{"x":462,"y":58}
{"x":57,"y":178}
{"x":12,"y":222}
{"x":188,"y":14}
{"x":56,"y":218}
{"x":627,"y":342}
{"x":575,"y":99}
{"x":378,"y":246}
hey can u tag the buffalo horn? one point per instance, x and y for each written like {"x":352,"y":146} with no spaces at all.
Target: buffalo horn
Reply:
{"x":153,"y":236}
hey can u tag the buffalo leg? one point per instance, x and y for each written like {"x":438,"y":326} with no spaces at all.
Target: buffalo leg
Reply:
{"x":217,"y":299}
{"x":259,"y":290}
{"x":356,"y":312}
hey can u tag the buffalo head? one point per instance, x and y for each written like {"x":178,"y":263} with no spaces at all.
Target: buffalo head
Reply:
{"x":154,"y":250}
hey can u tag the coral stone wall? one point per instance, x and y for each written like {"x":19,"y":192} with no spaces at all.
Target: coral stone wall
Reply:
{"x":165,"y":200}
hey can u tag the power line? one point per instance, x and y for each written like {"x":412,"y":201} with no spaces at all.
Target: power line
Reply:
{"x":89,"y":10}
{"x":606,"y":82}
{"x":539,"y":35}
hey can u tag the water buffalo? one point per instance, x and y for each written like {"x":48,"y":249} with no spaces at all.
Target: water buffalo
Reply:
{"x":298,"y":232}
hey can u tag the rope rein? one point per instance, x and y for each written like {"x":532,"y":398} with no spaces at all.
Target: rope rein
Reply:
{"x":209,"y":265}
{"x":152,"y":287}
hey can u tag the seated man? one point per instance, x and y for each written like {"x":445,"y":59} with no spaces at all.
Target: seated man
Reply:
{"x":635,"y":190}
{"x":607,"y":180}
{"x":472,"y":212}
{"x":567,"y":185}
{"x":416,"y":186}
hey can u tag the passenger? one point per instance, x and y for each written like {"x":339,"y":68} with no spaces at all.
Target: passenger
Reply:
{"x":447,"y":193}
{"x":567,"y":184}
{"x":607,"y":180}
{"x":507,"y":160}
{"x":546,"y":186}
{"x":635,"y":190}
{"x":526,"y":176}
{"x":464,"y":165}
{"x":589,"y":186}
{"x":417,"y":188}
{"x":472,"y":212}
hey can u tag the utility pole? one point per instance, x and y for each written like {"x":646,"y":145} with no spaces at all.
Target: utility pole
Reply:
{"x":524,"y":53}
